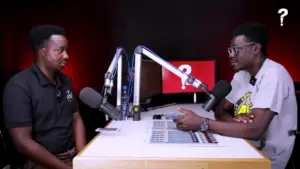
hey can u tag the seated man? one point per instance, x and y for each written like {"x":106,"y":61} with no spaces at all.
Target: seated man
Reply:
{"x":260,"y":87}
{"x":40,"y":108}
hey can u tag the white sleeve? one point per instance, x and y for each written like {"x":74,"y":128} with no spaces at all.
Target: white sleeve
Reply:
{"x":271,"y":93}
{"x":231,"y":97}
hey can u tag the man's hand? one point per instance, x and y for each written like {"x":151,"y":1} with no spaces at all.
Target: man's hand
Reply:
{"x":244,"y":118}
{"x":23,"y":142}
{"x":191,"y":121}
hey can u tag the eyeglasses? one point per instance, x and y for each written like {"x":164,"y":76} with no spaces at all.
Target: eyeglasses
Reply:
{"x":235,"y":49}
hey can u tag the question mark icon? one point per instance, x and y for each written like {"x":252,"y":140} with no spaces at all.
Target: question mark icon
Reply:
{"x":187,"y":69}
{"x":284,"y":13}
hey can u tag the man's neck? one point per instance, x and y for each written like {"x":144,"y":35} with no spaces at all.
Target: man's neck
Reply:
{"x":47,"y":72}
{"x":256,"y":66}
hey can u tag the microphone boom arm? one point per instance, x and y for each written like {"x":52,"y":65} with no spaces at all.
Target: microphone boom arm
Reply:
{"x":109,"y":77}
{"x":137,"y":77}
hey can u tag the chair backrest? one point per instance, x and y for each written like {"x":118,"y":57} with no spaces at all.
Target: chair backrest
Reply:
{"x":3,"y":151}
{"x":293,"y":162}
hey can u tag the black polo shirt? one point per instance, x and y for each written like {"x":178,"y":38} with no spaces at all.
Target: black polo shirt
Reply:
{"x":31,"y":100}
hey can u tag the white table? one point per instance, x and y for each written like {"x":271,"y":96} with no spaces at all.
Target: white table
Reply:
{"x":130,"y":149}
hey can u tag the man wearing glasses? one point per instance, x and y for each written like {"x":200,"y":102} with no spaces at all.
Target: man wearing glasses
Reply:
{"x":262,"y":99}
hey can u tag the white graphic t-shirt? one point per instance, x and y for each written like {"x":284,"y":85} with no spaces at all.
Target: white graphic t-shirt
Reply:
{"x":273,"y":89}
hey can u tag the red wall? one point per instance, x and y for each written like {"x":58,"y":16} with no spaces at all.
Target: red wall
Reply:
{"x":88,"y":40}
{"x":95,"y":29}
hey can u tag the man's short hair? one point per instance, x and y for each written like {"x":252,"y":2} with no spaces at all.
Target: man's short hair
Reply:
{"x":39,"y":36}
{"x":254,"y":32}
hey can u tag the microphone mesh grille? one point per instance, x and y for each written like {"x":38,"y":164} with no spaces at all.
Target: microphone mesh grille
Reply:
{"x":90,"y":97}
{"x":221,"y":89}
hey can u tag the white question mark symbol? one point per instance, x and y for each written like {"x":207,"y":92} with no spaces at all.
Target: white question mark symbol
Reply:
{"x":285,"y":12}
{"x":188,"y":70}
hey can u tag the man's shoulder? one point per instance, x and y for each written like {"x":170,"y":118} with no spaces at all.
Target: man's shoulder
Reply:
{"x":21,"y":78}
{"x":276,"y":70}
{"x":275,"y":74}
{"x":273,"y":65}
{"x":240,"y":75}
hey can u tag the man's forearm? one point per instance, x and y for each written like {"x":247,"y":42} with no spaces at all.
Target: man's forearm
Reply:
{"x":225,"y":116}
{"x":40,"y":155}
{"x":222,"y":114}
{"x":79,"y":133}
{"x":233,"y":129}
{"x":222,"y":111}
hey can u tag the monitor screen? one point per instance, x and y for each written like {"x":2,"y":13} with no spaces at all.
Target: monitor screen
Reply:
{"x":201,"y":70}
{"x":150,"y":79}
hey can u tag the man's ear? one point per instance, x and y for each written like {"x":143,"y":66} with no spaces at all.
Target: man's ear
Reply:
{"x":257,"y":48}
{"x":42,"y":52}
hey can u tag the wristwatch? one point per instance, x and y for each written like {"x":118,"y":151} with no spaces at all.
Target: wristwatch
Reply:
{"x":204,"y":125}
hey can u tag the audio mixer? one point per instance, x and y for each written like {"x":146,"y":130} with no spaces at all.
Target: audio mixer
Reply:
{"x":165,"y":131}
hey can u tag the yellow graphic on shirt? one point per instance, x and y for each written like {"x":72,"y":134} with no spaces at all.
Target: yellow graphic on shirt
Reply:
{"x":243,"y":105}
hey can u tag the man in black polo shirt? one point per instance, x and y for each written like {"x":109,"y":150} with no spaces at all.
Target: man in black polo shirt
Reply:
{"x":40,"y":109}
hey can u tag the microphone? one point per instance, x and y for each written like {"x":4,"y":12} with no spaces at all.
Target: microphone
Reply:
{"x":219,"y":92}
{"x":94,"y":100}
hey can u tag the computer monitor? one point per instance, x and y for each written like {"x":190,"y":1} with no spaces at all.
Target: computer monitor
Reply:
{"x":150,"y":79}
{"x":203,"y":70}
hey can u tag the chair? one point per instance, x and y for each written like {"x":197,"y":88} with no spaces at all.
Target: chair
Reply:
{"x":3,"y":150}
{"x":293,"y":162}
{"x":11,"y":157}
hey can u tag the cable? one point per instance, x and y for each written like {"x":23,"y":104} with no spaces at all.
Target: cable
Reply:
{"x":130,"y":85}
{"x":115,"y":70}
{"x":131,"y":75}
{"x":131,"y":78}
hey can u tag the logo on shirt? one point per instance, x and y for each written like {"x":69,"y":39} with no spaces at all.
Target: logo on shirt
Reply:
{"x":69,"y":96}
{"x":243,"y":105}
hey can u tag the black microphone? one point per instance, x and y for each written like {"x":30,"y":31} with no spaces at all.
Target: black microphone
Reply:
{"x":219,"y":92}
{"x":94,"y":100}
